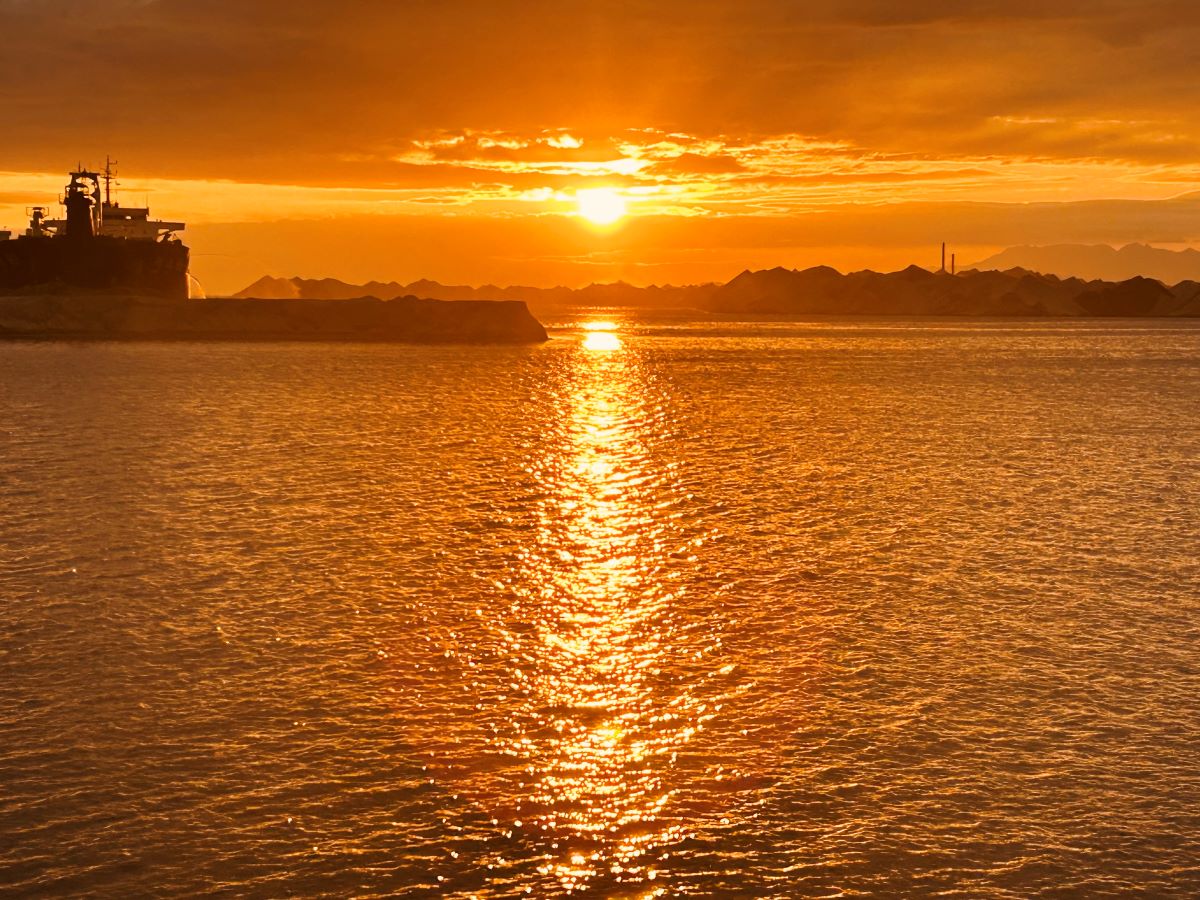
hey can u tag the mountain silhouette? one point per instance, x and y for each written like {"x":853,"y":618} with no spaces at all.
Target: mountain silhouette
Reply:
{"x":1100,"y":261}
{"x":919,"y":292}
{"x":820,"y":290}
{"x":616,"y":294}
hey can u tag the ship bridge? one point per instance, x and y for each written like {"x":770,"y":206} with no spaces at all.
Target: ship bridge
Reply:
{"x":104,"y":219}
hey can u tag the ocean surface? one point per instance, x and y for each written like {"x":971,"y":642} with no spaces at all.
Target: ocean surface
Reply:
{"x":660,"y":608}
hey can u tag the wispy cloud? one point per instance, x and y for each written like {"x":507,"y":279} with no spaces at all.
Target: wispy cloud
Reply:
{"x":704,"y":110}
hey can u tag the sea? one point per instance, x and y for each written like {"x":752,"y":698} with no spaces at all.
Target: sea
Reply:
{"x":668,"y":606}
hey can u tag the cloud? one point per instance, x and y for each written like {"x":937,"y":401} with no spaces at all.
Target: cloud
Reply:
{"x":201,"y":84}
{"x":716,"y":109}
{"x":691,"y":163}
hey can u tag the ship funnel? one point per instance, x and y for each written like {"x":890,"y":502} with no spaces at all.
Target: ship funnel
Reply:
{"x":81,"y":202}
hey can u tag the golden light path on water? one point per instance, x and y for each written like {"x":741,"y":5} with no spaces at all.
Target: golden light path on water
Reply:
{"x":576,"y":702}
{"x":591,"y":671}
{"x":602,"y":730}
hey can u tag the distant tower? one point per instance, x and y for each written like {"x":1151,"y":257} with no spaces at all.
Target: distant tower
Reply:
{"x":953,"y":257}
{"x":943,"y":256}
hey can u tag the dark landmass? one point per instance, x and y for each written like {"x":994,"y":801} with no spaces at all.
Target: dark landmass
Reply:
{"x":399,"y":320}
{"x":617,"y":294}
{"x":919,"y":292}
{"x":825,"y":291}
{"x":1100,"y":261}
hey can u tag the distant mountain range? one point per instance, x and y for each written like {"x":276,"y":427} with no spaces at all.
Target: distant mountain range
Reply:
{"x":919,"y":292}
{"x":1100,"y":261}
{"x":816,"y":291}
{"x":617,"y":294}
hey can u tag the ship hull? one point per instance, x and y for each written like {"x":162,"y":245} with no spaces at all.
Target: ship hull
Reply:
{"x":104,"y":264}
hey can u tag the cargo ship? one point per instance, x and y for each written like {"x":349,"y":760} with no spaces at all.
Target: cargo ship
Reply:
{"x":98,"y":246}
{"x":109,"y":272}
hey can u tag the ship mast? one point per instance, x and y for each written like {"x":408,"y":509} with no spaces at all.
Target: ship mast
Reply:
{"x":110,"y":177}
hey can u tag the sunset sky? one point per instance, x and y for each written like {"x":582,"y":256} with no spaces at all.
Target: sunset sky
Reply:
{"x":376,"y":139}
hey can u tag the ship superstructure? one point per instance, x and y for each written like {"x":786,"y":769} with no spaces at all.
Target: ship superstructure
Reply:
{"x":98,"y":245}
{"x":92,"y":211}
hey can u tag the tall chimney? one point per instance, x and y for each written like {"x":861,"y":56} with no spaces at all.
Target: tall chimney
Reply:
{"x":943,"y":256}
{"x":953,"y":256}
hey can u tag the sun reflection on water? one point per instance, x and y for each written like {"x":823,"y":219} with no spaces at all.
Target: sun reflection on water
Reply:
{"x":601,"y":336}
{"x":602,"y":340}
{"x":590,"y":674}
{"x":603,"y":723}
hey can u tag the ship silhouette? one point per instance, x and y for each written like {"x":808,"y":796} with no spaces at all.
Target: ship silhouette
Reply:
{"x":98,"y":246}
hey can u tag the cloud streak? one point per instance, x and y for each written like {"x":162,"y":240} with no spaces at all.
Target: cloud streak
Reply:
{"x":703,"y":109}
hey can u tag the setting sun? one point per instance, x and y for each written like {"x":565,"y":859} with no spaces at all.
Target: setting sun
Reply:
{"x":600,"y":206}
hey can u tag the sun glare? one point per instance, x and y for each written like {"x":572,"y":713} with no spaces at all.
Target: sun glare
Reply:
{"x":601,"y":341}
{"x":599,"y":336}
{"x":600,"y":206}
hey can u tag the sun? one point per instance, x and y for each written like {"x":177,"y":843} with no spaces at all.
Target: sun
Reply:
{"x":600,"y":206}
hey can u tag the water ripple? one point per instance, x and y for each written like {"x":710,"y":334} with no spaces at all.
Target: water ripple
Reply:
{"x":772,"y":610}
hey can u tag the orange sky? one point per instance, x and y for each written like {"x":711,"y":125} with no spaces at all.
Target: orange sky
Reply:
{"x":375,"y":139}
